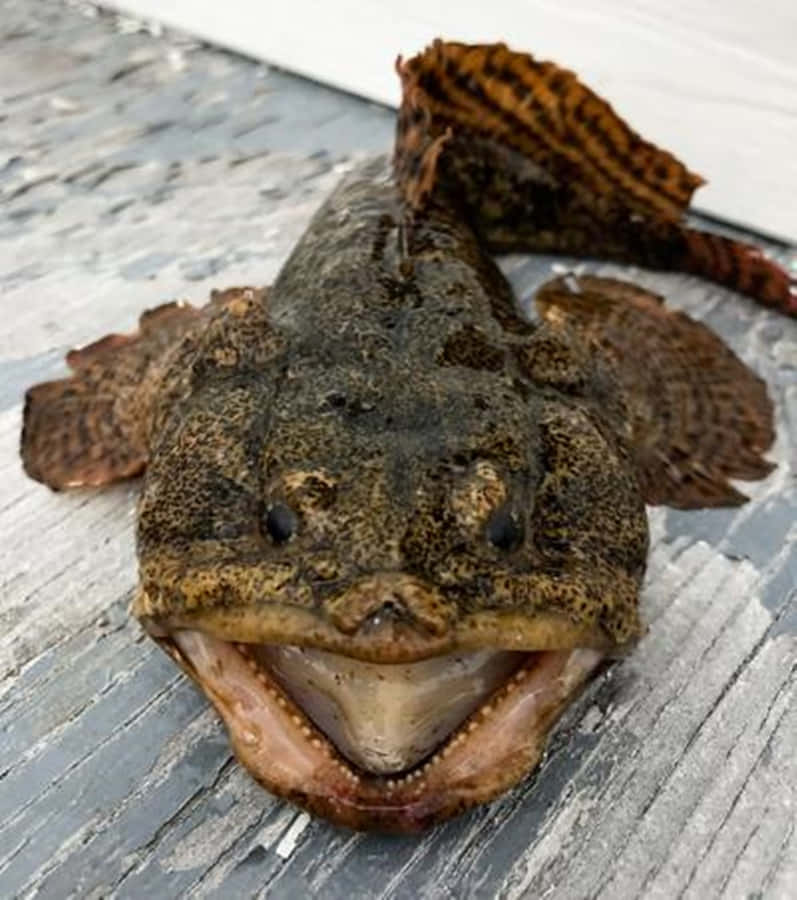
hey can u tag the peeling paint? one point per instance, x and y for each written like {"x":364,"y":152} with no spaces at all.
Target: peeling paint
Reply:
{"x":289,"y":841}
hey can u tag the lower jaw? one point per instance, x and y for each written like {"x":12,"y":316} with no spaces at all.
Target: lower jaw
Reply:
{"x":492,"y":749}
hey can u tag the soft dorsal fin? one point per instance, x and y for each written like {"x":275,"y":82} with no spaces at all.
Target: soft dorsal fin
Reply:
{"x":544,"y":113}
{"x":538,"y":163}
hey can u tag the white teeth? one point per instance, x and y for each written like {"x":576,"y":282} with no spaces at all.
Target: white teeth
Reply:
{"x":386,"y":718}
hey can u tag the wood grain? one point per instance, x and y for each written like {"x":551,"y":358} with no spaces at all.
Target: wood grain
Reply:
{"x":136,"y":169}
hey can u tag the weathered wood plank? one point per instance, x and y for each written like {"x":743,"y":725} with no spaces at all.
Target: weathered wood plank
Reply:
{"x":136,"y":169}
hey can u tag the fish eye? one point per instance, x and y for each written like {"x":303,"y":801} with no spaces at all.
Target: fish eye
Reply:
{"x":504,"y":528}
{"x":281,"y":522}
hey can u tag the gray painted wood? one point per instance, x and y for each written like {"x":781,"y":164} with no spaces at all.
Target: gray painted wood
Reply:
{"x":134,"y":169}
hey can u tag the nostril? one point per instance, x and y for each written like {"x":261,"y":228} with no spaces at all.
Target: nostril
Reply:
{"x":392,"y":610}
{"x":376,"y":603}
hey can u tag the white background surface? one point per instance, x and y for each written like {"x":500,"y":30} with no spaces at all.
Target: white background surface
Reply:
{"x":716,"y":83}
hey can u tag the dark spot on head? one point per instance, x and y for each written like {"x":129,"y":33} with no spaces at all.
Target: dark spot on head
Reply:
{"x":521,"y":389}
{"x":336,"y":401}
{"x":358,"y":407}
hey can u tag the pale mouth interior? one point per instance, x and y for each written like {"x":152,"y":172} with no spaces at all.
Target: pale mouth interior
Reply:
{"x":287,"y":706}
{"x":387,"y":718}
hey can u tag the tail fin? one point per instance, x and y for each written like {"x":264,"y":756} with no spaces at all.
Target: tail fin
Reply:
{"x":538,"y":162}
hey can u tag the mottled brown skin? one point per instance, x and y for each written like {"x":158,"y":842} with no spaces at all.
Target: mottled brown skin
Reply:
{"x":398,"y":436}
{"x":378,"y":456}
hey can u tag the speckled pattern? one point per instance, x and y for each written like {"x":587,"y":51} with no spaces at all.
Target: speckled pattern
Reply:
{"x":672,"y":775}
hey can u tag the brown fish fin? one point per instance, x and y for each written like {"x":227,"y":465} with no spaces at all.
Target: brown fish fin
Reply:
{"x":698,"y":415}
{"x":537,"y":162}
{"x":91,"y":428}
{"x":739,"y":266}
{"x":543,"y":113}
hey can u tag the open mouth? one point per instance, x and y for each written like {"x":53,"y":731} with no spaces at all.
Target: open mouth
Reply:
{"x":393,"y":747}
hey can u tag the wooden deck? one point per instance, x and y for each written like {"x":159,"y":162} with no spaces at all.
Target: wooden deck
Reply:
{"x":134,"y":169}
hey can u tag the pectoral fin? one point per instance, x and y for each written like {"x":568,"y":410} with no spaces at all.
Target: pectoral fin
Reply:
{"x":91,"y":428}
{"x":699,"y":416}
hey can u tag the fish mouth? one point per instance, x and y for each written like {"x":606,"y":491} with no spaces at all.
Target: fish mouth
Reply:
{"x":392,"y":747}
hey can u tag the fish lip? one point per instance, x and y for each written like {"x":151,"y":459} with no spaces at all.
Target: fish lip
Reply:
{"x":392,"y":640}
{"x":438,"y":787}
